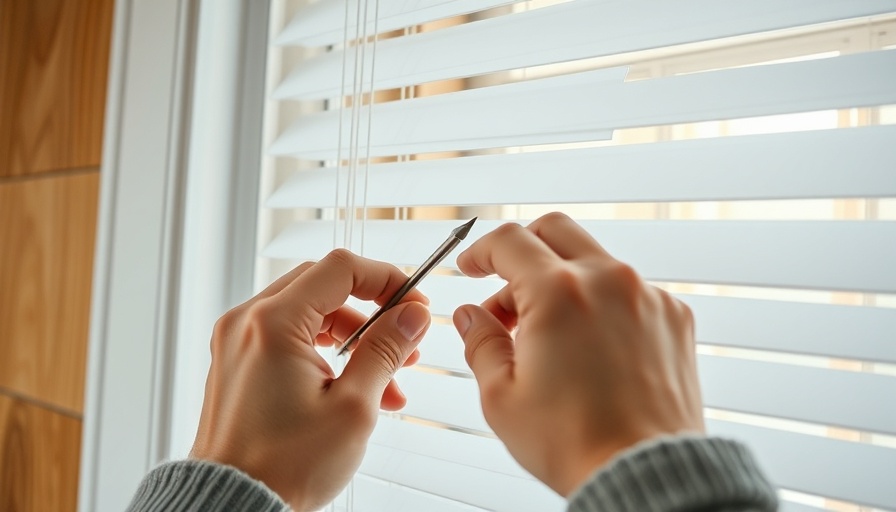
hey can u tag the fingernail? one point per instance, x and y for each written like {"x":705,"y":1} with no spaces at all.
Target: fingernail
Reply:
{"x":412,"y":321}
{"x":462,"y":321}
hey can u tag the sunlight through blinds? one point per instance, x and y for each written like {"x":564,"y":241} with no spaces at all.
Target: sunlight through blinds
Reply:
{"x":741,"y":155}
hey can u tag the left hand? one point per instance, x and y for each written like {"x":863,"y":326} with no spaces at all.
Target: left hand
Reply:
{"x":273,"y":406}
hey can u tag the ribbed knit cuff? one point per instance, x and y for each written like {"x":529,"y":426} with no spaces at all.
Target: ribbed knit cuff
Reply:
{"x":193,"y":485}
{"x":678,"y":474}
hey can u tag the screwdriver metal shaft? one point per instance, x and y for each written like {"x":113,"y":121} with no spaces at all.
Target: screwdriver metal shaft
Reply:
{"x":456,"y":236}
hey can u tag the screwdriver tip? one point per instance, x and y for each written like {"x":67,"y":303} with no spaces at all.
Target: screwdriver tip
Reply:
{"x":461,"y":231}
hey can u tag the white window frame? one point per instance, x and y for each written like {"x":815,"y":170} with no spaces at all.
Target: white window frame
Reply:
{"x":181,"y":149}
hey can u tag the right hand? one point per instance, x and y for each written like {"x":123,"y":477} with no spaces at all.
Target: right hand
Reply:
{"x":600,"y":361}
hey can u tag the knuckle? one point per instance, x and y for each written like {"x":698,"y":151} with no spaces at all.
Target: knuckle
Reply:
{"x":564,"y":277}
{"x":507,"y":229}
{"x":619,"y":284}
{"x":625,"y":277}
{"x":623,"y":282}
{"x":686,"y":315}
{"x":260,"y":311}
{"x":554,"y":217}
{"x":257,"y":322}
{"x":669,"y":302}
{"x":563,"y":285}
{"x":387,"y":351}
{"x":686,"y":312}
{"x":340,"y":256}
{"x":304,"y":266}
{"x":225,"y":327}
{"x":488,"y":373}
{"x":472,"y":344}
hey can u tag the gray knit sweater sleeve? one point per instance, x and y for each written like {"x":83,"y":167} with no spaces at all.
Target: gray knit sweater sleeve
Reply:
{"x":672,"y":474}
{"x":680,"y":474}
{"x":198,"y":486}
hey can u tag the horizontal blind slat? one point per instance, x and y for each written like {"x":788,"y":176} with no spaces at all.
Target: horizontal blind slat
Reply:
{"x":832,"y":397}
{"x":851,"y":332}
{"x":843,"y":470}
{"x":467,"y":450}
{"x":470,"y":450}
{"x":490,"y":453}
{"x":443,"y":348}
{"x":323,"y":23}
{"x":840,"y":331}
{"x":589,"y":105}
{"x":375,"y":495}
{"x":463,"y":483}
{"x":855,"y":162}
{"x":814,"y":395}
{"x":829,"y":255}
{"x":441,"y":123}
{"x":569,"y":31}
{"x":457,"y":404}
{"x":451,"y":446}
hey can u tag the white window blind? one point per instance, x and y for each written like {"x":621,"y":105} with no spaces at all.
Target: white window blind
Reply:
{"x":741,"y":155}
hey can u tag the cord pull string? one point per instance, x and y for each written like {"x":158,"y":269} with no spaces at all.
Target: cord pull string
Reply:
{"x":371,"y":100}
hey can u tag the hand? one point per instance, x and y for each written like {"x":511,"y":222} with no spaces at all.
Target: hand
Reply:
{"x":600,"y":360}
{"x":273,"y":407}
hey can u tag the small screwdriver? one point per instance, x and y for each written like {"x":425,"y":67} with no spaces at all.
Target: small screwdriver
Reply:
{"x":456,"y":236}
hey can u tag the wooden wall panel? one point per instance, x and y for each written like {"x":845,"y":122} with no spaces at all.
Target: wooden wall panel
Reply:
{"x":39,"y":453}
{"x":47,"y":233}
{"x":53,"y":69}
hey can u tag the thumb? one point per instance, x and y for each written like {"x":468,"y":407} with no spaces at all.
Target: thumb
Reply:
{"x":385,"y":347}
{"x":488,"y":344}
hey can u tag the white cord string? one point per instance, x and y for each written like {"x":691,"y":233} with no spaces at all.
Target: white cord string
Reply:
{"x":357,"y":105}
{"x":358,"y":47}
{"x":345,"y":41}
{"x":370,"y":101}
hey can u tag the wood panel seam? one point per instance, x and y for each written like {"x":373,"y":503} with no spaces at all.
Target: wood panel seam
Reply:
{"x":39,"y":454}
{"x":59,"y":173}
{"x":64,"y":411}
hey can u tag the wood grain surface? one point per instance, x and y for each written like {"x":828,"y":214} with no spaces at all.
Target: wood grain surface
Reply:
{"x":53,"y":69}
{"x":39,"y":453}
{"x":47,"y":233}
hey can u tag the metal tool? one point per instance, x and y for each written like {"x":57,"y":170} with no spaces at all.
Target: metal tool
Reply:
{"x":456,"y":236}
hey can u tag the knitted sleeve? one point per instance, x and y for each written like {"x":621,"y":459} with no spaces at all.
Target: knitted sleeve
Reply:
{"x":680,"y":474}
{"x":199,"y":486}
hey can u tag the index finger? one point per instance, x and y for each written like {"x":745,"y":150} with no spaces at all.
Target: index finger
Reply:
{"x":511,"y":251}
{"x":326,"y":285}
